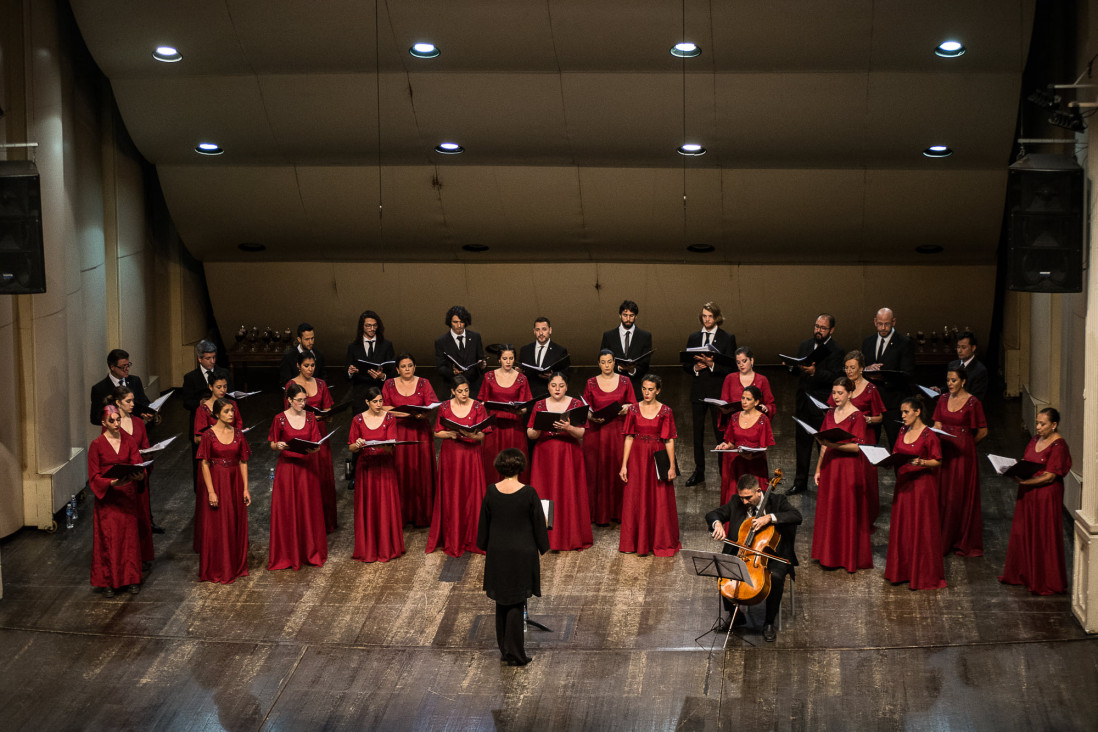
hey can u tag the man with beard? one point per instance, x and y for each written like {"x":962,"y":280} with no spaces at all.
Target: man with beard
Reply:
{"x":823,"y":364}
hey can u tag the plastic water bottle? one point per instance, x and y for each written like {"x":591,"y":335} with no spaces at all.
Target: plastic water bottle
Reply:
{"x":271,"y":478}
{"x":72,"y":502}
{"x":525,"y":616}
{"x":68,"y":515}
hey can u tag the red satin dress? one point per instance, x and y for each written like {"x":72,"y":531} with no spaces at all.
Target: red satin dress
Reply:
{"x":144,"y":518}
{"x":297,"y":512}
{"x":116,"y":538}
{"x":869,"y":402}
{"x":649,"y":515}
{"x":602,"y":451}
{"x":203,"y":420}
{"x":732,"y":392}
{"x":459,"y":488}
{"x":1035,"y":551}
{"x":959,"y":478}
{"x":224,"y":553}
{"x":415,"y":464}
{"x":558,"y":475}
{"x":840,"y":537}
{"x":322,"y":457}
{"x":735,"y":464}
{"x":379,"y":530}
{"x":509,"y":429}
{"x":914,"y":530}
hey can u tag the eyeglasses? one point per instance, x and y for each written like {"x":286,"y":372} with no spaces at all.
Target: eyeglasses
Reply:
{"x":299,"y":400}
{"x":125,"y":366}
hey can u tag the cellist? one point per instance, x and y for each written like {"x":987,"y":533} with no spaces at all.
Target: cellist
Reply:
{"x":777,"y":511}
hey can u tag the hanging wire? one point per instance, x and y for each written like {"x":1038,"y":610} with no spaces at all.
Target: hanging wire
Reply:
{"x":682,"y":61}
{"x":377,"y":96}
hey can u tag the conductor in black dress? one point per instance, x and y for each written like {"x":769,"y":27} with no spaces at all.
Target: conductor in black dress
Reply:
{"x":890,"y":350}
{"x":513,"y":535}
{"x":629,"y":342}
{"x":814,"y":379}
{"x":462,"y":345}
{"x":706,"y":380}
{"x":118,"y":374}
{"x":370,"y":346}
{"x":306,"y":341}
{"x":977,"y":382}
{"x":543,"y":353}
{"x":778,"y":511}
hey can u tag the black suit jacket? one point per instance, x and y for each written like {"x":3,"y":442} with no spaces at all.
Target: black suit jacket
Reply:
{"x":101,"y":390}
{"x":818,"y":385}
{"x":194,"y":390}
{"x":788,"y":519}
{"x":641,"y":342}
{"x":977,"y":382}
{"x":899,"y":355}
{"x":361,"y":381}
{"x":474,"y":351}
{"x":539,"y":387}
{"x":287,"y":369}
{"x":708,"y":383}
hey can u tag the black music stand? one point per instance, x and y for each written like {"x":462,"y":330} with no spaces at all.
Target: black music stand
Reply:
{"x":720,"y":566}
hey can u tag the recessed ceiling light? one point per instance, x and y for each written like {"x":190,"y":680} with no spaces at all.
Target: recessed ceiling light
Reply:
{"x":208,"y":148}
{"x":251,"y":246}
{"x":691,"y":149}
{"x":424,"y":50}
{"x":686,"y":49}
{"x":929,"y":249}
{"x":475,"y":247}
{"x":449,"y":148}
{"x":701,"y":248}
{"x":949,"y":49}
{"x":938,"y":151}
{"x":167,"y":54}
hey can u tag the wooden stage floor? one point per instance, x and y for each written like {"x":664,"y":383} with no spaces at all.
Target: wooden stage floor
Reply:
{"x":410,"y":644}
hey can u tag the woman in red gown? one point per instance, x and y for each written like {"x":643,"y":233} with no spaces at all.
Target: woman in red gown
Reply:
{"x":318,"y":398}
{"x":297,"y":512}
{"x":558,"y":474}
{"x":735,"y":383}
{"x":748,"y":428}
{"x":203,"y":420}
{"x":867,"y":400}
{"x":459,"y":489}
{"x":1035,"y":551}
{"x":649,"y":516}
{"x":962,"y":416}
{"x":379,"y":530}
{"x":116,"y":541}
{"x":415,"y":464}
{"x":914,"y":531}
{"x":224,"y":453}
{"x":122,"y":398}
{"x":602,"y":443}
{"x":505,"y":384}
{"x":840,"y":537}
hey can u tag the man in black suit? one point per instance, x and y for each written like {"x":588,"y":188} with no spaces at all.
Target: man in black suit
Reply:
{"x":777,"y":511}
{"x":890,"y":350}
{"x":543,"y":353}
{"x":306,"y":341}
{"x":706,"y":380}
{"x":370,"y":346}
{"x":628,"y":341}
{"x":118,"y":374}
{"x":462,"y":345}
{"x":976,"y":380}
{"x":815,"y":379}
{"x":196,"y":388}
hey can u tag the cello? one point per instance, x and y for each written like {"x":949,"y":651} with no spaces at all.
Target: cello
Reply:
{"x":751,"y":545}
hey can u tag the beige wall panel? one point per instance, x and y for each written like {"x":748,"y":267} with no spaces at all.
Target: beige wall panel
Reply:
{"x":130,"y":200}
{"x":55,"y":383}
{"x":1040,"y":356}
{"x":136,"y":323}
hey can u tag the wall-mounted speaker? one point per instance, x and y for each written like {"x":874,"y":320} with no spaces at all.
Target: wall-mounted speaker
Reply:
{"x":22,"y":266}
{"x":1045,"y":246}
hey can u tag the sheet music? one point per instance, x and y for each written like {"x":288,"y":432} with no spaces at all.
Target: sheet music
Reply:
{"x":157,"y":404}
{"x":874,"y":453}
{"x":158,"y":446}
{"x":1001,"y":464}
{"x":807,"y":427}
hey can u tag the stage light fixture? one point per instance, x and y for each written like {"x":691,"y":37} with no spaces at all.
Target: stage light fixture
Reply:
{"x":686,"y":49}
{"x":1044,"y":98}
{"x":1069,"y":119}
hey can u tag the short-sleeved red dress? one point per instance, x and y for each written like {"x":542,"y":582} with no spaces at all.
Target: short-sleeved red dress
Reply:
{"x":869,"y":402}
{"x":758,"y":434}
{"x":203,"y":420}
{"x":914,"y":530}
{"x":297,"y":512}
{"x":959,"y":478}
{"x":322,"y":457}
{"x":649,"y":514}
{"x":840,"y":537}
{"x":509,"y":429}
{"x":223,"y":555}
{"x":602,"y":451}
{"x":116,"y":540}
{"x":732,"y":392}
{"x":415,"y":464}
{"x":379,"y":529}
{"x":459,"y":488}
{"x":558,"y":475}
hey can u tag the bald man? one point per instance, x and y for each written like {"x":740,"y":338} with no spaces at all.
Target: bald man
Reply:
{"x":890,"y":350}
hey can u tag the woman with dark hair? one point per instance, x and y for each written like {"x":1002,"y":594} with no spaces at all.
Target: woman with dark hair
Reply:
{"x":748,"y":428}
{"x":602,"y":443}
{"x":379,"y":532}
{"x":558,"y":469}
{"x":867,"y":400}
{"x":962,"y":416}
{"x":369,"y":347}
{"x":649,"y":517}
{"x":224,"y":455}
{"x":460,"y":484}
{"x":123,"y":398}
{"x":914,"y":531}
{"x":297,"y":511}
{"x":734,"y":384}
{"x":1035,"y":551}
{"x":840,"y":537}
{"x":512,"y":533}
{"x":318,"y":398}
{"x":505,"y":384}
{"x":415,"y":464}
{"x":116,"y":542}
{"x":204,"y":419}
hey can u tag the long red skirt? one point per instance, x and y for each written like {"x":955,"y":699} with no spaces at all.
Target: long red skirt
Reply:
{"x":379,"y":530}
{"x":914,"y":534}
{"x":1035,"y":552}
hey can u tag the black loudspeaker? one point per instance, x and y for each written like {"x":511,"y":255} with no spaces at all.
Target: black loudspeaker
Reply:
{"x":22,"y":267}
{"x":1045,"y":249}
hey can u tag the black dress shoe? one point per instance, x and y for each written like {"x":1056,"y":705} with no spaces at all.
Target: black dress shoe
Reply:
{"x":695,"y":478}
{"x":134,"y":589}
{"x":157,"y":529}
{"x":797,"y":488}
{"x":108,"y":592}
{"x":770,"y":634}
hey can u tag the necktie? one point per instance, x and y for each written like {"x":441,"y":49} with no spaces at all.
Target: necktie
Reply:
{"x":121,"y":382}
{"x":707,"y":337}
{"x":541,"y":356}
{"x":370,"y":352}
{"x":461,"y":343}
{"x":752,"y":512}
{"x":627,"y":334}
{"x":880,"y":344}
